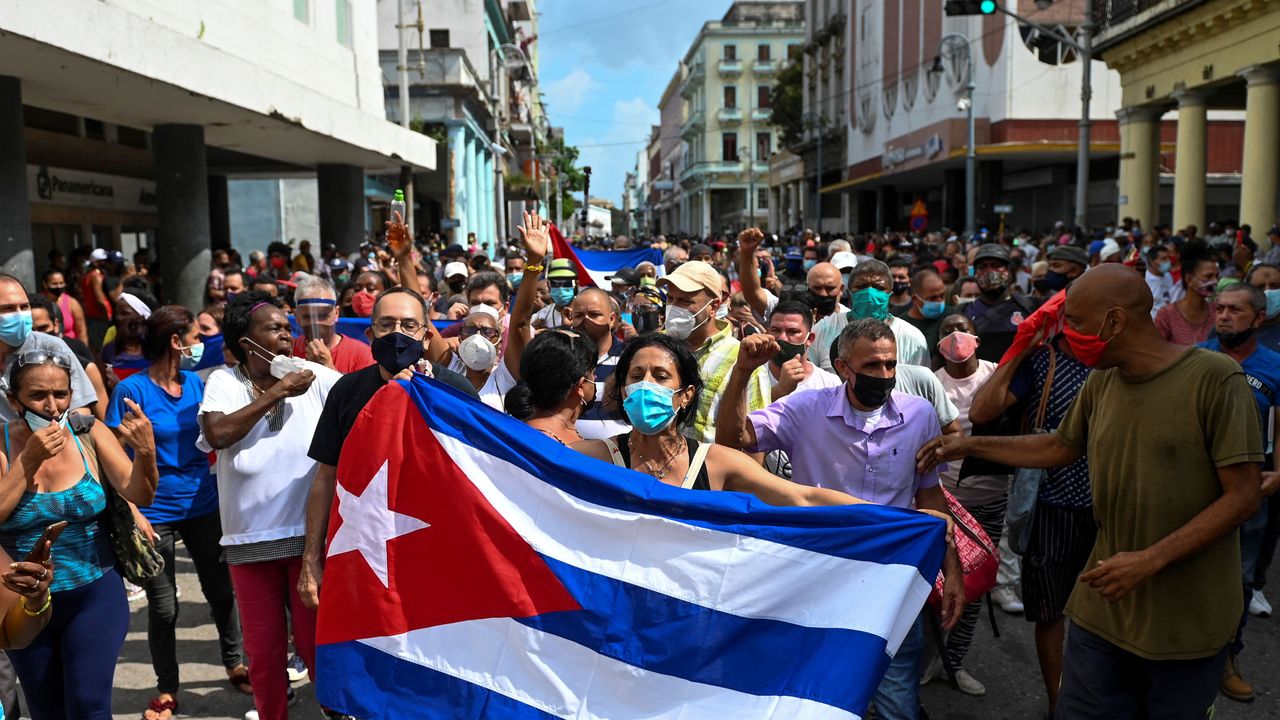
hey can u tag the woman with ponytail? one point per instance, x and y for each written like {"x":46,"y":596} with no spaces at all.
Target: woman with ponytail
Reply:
{"x":562,"y":364}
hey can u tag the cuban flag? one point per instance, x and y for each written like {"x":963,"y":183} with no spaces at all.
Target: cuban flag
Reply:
{"x":595,"y":266}
{"x":354,"y":328}
{"x":479,"y":569}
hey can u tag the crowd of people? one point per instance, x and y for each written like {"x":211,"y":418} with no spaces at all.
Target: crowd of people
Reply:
{"x":1012,"y":379}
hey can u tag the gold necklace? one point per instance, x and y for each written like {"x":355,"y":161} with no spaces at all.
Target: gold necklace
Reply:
{"x":661,"y":472}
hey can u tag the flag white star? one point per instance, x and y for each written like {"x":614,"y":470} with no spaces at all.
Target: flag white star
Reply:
{"x":369,"y":523}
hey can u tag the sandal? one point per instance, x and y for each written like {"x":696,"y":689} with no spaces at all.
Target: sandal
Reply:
{"x":240,"y":681}
{"x":159,"y":707}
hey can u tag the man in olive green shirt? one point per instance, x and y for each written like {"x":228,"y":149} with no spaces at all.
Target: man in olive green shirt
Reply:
{"x":1174,"y":458}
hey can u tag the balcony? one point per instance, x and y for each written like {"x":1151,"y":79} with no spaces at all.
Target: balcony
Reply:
{"x":761,"y":114}
{"x":1119,"y":19}
{"x":693,"y":125}
{"x":730,"y":67}
{"x":729,"y":116}
{"x":764,"y":67}
{"x":689,"y":85}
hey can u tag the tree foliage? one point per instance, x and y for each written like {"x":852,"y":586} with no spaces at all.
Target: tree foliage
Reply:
{"x":786,"y":103}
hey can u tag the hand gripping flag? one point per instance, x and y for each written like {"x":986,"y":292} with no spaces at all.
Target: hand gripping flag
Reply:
{"x":479,"y":569}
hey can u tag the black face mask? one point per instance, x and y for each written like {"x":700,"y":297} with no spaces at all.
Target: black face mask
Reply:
{"x":873,"y":391}
{"x":1231,"y":341}
{"x":644,"y":321}
{"x":823,"y":304}
{"x":901,"y":286}
{"x":396,"y":351}
{"x":787,"y":351}
{"x":457,"y":285}
{"x":57,"y":290}
{"x":1055,"y":281}
{"x":1040,"y":285}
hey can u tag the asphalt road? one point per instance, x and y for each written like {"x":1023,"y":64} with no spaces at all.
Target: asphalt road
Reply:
{"x":1007,"y":666}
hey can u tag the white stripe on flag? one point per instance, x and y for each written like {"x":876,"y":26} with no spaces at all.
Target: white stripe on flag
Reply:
{"x":567,"y":680}
{"x":738,"y":574}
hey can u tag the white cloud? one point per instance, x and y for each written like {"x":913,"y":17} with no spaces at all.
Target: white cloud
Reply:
{"x":568,"y":93}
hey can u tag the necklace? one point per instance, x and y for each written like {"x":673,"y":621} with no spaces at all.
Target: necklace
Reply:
{"x":661,"y":471}
{"x":275,"y":416}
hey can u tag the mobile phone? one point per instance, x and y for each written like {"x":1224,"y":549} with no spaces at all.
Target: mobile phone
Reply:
{"x":39,"y":553}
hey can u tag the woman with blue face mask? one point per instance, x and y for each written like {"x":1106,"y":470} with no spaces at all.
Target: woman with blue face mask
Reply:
{"x":56,"y":467}
{"x":655,"y":389}
{"x":186,"y":503}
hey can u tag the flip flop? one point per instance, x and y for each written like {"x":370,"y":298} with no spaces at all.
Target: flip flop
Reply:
{"x":159,"y":707}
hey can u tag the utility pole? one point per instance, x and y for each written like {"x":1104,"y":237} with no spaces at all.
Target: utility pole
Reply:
{"x":402,"y":67}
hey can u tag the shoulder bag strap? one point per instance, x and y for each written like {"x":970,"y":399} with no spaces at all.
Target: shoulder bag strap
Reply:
{"x":614,"y":453}
{"x":1048,"y":385}
{"x":695,"y":465}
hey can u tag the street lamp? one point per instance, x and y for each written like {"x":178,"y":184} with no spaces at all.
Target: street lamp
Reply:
{"x":965,"y":104}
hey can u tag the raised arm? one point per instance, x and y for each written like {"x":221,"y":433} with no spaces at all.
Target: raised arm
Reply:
{"x":536,"y":237}
{"x":400,"y":244}
{"x":993,"y":398}
{"x":749,"y":270}
{"x":136,"y":479}
{"x":732,"y":427}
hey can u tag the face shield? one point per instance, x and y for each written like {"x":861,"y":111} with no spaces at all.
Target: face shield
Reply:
{"x":317,"y":316}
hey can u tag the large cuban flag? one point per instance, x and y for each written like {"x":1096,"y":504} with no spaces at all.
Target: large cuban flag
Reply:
{"x":479,"y":569}
{"x":595,"y":266}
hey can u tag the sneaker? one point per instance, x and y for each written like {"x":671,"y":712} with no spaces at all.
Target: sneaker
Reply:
{"x":933,"y":671}
{"x":968,"y":684}
{"x":251,"y":715}
{"x":1007,"y":600}
{"x":1233,"y":684}
{"x":133,"y":592}
{"x":293,"y":699}
{"x":1258,"y":605}
{"x":296,"y":669}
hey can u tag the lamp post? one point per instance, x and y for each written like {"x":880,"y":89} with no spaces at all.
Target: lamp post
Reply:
{"x":816,"y":121}
{"x":966,"y":104}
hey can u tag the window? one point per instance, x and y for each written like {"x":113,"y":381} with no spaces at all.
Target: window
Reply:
{"x":729,"y":147}
{"x":342,"y":10}
{"x":730,"y":96}
{"x":762,"y":52}
{"x":793,"y":52}
{"x":132,"y":137}
{"x":439,"y":38}
{"x":762,"y":198}
{"x":730,"y":53}
{"x":302,"y":10}
{"x":764,"y":146}
{"x":94,"y":129}
{"x":762,"y":96}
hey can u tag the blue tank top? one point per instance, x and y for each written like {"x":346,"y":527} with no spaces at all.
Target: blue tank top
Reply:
{"x":83,"y":552}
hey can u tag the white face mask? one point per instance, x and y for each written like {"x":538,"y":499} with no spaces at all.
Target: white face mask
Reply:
{"x":681,"y":323}
{"x":281,"y":365}
{"x":478,"y":354}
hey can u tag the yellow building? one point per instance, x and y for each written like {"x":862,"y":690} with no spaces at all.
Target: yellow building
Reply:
{"x":1196,"y":56}
{"x":727,"y":75}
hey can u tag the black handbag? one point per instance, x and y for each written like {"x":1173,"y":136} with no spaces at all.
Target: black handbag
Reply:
{"x":137,"y":560}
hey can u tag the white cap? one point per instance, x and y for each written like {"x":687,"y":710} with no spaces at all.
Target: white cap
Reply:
{"x":456,"y":268}
{"x":844,"y":259}
{"x":98,"y":254}
{"x":1109,"y":247}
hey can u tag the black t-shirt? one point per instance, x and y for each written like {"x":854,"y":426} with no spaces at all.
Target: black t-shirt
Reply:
{"x":998,"y":324}
{"x":81,"y":351}
{"x":929,"y":327}
{"x":348,"y":397}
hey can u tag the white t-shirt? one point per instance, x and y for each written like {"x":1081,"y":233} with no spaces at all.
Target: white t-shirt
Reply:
{"x":912,"y":348}
{"x":263,"y":480}
{"x":496,"y":386}
{"x":976,"y":489}
{"x":548,"y":317}
{"x":918,"y":381}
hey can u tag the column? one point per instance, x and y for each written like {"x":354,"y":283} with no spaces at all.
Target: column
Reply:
{"x":219,"y":213}
{"x":184,"y":241}
{"x":472,"y":178}
{"x":1140,"y":164}
{"x":1189,"y":181}
{"x":340,"y":196}
{"x":1260,"y":178}
{"x":490,"y":223}
{"x":16,"y":254}
{"x":457,"y":191}
{"x":774,"y":201}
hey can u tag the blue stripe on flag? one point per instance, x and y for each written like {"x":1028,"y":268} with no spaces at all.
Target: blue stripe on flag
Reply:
{"x":870,"y":533}
{"x":656,"y":632}
{"x":601,"y":260}
{"x":372,"y":685}
{"x":354,"y":327}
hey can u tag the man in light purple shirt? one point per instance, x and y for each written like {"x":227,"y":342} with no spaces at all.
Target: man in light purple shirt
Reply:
{"x":862,"y":438}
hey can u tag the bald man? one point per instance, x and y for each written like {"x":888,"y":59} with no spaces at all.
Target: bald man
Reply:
{"x":826,"y":284}
{"x":594,"y":316}
{"x":1174,"y":455}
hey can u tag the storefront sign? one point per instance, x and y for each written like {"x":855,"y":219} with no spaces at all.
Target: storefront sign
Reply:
{"x":895,"y":156}
{"x":60,"y":186}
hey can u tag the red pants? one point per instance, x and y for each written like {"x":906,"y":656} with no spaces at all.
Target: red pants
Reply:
{"x":262,"y":590}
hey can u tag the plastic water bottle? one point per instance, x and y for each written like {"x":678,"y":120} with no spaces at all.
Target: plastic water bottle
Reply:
{"x":397,"y":206}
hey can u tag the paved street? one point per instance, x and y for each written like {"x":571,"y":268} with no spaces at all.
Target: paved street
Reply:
{"x":1007,"y":666}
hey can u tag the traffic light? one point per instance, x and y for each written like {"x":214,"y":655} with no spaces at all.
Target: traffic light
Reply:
{"x":971,"y":7}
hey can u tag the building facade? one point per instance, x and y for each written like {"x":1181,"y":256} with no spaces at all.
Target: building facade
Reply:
{"x":106,"y":142}
{"x":1182,"y":65}
{"x":725,"y":81}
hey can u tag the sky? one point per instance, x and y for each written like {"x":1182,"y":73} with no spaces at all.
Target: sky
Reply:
{"x":603,"y":67}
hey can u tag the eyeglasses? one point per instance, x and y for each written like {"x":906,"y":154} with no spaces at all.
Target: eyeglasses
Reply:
{"x":388,"y":325}
{"x":40,"y":357}
{"x":488,"y":333}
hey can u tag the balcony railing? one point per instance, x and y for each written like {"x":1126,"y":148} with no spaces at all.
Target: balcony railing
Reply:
{"x":729,"y":116}
{"x":761,"y":114}
{"x":1119,"y":18}
{"x":730,"y":67}
{"x":764,"y":67}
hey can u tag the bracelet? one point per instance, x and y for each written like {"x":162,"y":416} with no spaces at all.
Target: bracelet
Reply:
{"x":534,"y":268}
{"x":48,"y":602}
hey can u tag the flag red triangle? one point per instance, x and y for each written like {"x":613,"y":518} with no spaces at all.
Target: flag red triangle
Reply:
{"x":561,"y":248}
{"x":469,"y":564}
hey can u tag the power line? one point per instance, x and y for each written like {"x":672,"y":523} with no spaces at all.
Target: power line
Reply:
{"x":603,"y":18}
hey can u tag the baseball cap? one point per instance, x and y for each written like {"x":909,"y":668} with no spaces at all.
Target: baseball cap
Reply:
{"x":700,"y":249}
{"x":693,"y":276}
{"x":1109,"y":248}
{"x":454,"y":249}
{"x":793,"y":253}
{"x":456,"y":268}
{"x":993,"y":251}
{"x":844,"y":260}
{"x":1070,"y":253}
{"x":98,"y":254}
{"x":561,"y":268}
{"x":625,"y":276}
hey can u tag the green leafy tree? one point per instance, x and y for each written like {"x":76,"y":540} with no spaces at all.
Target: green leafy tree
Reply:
{"x":786,"y":103}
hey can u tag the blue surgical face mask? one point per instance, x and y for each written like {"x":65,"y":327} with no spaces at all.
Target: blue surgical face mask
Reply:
{"x":649,"y":406}
{"x":514,"y":279}
{"x":808,"y":265}
{"x":190,"y":360}
{"x":1273,"y":303}
{"x":933,"y":309}
{"x":36,"y":421}
{"x":15,"y":328}
{"x":1163,"y":266}
{"x":870,"y":302}
{"x":561,"y":296}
